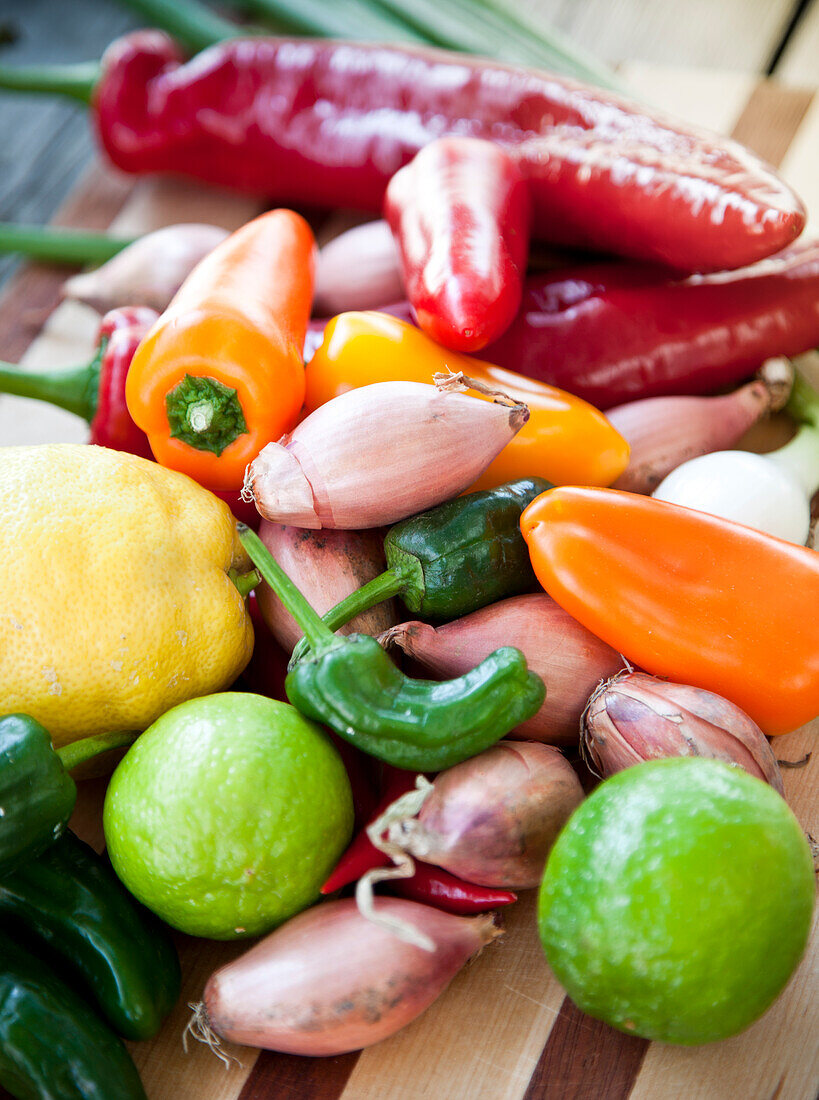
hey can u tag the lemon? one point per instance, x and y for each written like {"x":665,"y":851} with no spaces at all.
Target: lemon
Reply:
{"x":677,"y":901}
{"x":116,"y":599}
{"x":228,"y":814}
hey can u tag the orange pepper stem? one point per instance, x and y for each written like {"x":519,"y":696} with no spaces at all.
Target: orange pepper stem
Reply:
{"x":205,"y":414}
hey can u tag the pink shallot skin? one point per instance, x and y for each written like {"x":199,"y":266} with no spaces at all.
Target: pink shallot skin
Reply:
{"x":378,"y":454}
{"x":493,"y":819}
{"x":636,"y":717}
{"x":326,"y":566}
{"x":569,"y":659}
{"x":664,"y":432}
{"x":460,"y":213}
{"x":330,"y":981}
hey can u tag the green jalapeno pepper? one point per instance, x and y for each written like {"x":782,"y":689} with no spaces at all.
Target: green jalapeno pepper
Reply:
{"x":74,"y":904}
{"x":53,"y":1046}
{"x":37,"y":794}
{"x":452,"y":559}
{"x":351,"y":684}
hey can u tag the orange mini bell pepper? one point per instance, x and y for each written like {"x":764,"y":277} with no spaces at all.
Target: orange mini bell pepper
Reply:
{"x":686,"y":595}
{"x":566,"y":440}
{"x":220,"y":374}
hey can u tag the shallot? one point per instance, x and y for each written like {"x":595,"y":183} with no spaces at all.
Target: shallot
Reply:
{"x":635,"y":717}
{"x":147,"y":272}
{"x":569,"y":659}
{"x":770,"y":492}
{"x":378,"y":454}
{"x":358,"y":269}
{"x":329,"y":981}
{"x":493,"y":818}
{"x":664,"y":432}
{"x":327,"y":566}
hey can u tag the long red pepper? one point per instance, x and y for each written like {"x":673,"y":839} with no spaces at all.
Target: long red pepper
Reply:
{"x":96,"y":391}
{"x":613,"y":332}
{"x":331,"y":122}
{"x":460,"y":214}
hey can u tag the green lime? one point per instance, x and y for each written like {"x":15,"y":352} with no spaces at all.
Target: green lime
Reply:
{"x":228,"y":814}
{"x":677,"y":901}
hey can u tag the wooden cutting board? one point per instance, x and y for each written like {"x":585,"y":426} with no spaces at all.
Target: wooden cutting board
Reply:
{"x":503,"y":1030}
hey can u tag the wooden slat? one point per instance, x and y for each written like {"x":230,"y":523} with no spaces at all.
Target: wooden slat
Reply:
{"x":731,"y":34}
{"x":800,"y":165}
{"x":714,"y":100}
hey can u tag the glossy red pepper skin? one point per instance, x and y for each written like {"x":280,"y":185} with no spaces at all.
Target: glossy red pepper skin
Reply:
{"x":443,"y":890}
{"x":612,"y":332}
{"x":460,"y":214}
{"x":330,"y":122}
{"x":112,"y":425}
{"x":362,"y":855}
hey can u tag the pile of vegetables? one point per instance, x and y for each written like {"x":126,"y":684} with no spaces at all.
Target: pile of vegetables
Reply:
{"x":589,"y":590}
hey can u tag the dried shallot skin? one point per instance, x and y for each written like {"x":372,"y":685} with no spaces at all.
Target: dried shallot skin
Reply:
{"x":378,"y":454}
{"x":326,"y":566}
{"x":635,"y":717}
{"x":329,"y":981}
{"x":493,"y":819}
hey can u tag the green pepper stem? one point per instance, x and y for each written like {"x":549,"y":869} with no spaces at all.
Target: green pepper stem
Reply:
{"x":317,"y":633}
{"x":245,"y":582}
{"x":76,"y":81}
{"x":79,"y":751}
{"x":71,"y":388}
{"x":380,"y":588}
{"x":64,"y":246}
{"x":189,"y":22}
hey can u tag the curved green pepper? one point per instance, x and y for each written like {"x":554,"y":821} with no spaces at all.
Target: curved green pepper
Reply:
{"x":71,"y":900}
{"x":37,"y":794}
{"x":53,"y":1046}
{"x":451,"y":560}
{"x":350,"y":684}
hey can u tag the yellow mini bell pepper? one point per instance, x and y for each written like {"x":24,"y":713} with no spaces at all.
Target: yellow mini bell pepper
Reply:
{"x":566,"y":440}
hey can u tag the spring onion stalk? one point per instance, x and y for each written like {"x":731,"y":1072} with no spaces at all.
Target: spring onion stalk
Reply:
{"x":485,"y":29}
{"x":557,"y":51}
{"x":342,"y":19}
{"x":192,"y":24}
{"x":771,"y":492}
{"x":58,"y":245}
{"x":495,"y":31}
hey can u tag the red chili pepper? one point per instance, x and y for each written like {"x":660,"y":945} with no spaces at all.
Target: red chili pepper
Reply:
{"x":428,"y":884}
{"x":329,"y":123}
{"x":460,"y":213}
{"x":96,"y":391}
{"x":614,"y":332}
{"x":443,"y":890}
{"x":112,"y":424}
{"x":362,"y":855}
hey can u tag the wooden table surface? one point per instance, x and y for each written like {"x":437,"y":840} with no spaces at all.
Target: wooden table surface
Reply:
{"x":503,"y":1030}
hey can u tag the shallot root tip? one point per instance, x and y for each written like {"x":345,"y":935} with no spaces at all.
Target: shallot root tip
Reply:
{"x":247,"y":485}
{"x":198,"y":1026}
{"x":777,"y":375}
{"x":449,"y":381}
{"x":403,"y":865}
